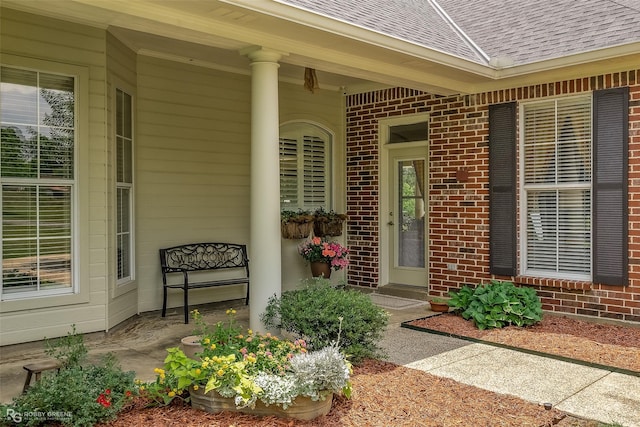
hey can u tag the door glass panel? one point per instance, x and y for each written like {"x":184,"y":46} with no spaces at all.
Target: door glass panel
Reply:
{"x":410,"y":227}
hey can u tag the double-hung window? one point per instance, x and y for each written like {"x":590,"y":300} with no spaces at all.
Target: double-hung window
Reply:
{"x":124,"y":186}
{"x":556,"y":193}
{"x":38,"y":182}
{"x":304,"y":167}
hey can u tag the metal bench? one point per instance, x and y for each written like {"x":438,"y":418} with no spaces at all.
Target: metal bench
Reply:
{"x":199,"y":258}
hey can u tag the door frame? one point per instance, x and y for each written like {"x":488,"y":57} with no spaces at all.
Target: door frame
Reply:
{"x":384,"y":200}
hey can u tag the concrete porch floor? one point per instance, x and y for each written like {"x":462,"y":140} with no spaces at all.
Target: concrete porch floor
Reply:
{"x":140,"y":345}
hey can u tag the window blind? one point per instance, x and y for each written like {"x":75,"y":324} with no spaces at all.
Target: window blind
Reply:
{"x":37,"y":117}
{"x":557,"y":184}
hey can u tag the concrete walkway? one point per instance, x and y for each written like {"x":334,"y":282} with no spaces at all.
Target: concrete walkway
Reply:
{"x":579,"y":390}
{"x":140,"y":345}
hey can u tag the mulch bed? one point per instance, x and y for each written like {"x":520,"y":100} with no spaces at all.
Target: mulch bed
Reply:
{"x":603,"y":344}
{"x":385,"y":394}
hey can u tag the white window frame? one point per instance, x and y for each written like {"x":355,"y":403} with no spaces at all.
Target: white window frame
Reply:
{"x":16,"y":301}
{"x":524,"y":188}
{"x":121,"y":185}
{"x":299,"y":130}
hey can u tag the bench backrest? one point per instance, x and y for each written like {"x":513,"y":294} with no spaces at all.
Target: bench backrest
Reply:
{"x":203,"y":256}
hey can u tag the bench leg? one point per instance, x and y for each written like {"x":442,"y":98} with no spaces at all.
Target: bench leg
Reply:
{"x":246,"y":302}
{"x":164,"y":302}
{"x":27,"y":383}
{"x":186,"y":305}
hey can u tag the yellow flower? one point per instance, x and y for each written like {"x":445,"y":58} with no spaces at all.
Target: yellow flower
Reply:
{"x":195,"y":387}
{"x":220,"y":372}
{"x":171,"y":393}
{"x":213,"y":347}
{"x":206,"y":341}
{"x":198,"y":371}
{"x":250,"y":331}
{"x":141,"y":388}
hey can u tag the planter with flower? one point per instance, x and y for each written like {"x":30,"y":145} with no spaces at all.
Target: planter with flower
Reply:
{"x":255,"y":373}
{"x":327,"y":223}
{"x":296,"y":224}
{"x":324,"y":256}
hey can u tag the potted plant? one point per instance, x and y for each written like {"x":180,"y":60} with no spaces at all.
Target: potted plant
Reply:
{"x":439,"y":305}
{"x":296,"y":224}
{"x":241,"y":370}
{"x":327,"y":223}
{"x":324,"y":256}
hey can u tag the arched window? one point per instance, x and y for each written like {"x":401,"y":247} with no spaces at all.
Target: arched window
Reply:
{"x":305,"y":166}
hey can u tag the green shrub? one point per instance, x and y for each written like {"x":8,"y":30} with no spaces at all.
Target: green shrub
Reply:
{"x":79,"y":395}
{"x":497,"y":304}
{"x":314,"y":312}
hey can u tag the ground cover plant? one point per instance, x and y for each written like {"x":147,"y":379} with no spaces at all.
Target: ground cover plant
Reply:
{"x":81,"y":394}
{"x":312,"y":313}
{"x":497,"y":304}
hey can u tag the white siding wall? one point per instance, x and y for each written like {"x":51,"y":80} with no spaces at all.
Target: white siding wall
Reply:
{"x":47,"y":39}
{"x":192,"y":168}
{"x":121,"y":66}
{"x":323,"y":108}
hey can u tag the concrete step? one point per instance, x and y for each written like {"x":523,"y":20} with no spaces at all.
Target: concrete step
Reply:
{"x":404,"y":291}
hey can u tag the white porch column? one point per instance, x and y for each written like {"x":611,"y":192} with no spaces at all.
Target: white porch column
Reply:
{"x":265,"y":248}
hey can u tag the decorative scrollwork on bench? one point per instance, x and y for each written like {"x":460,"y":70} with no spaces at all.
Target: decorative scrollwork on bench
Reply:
{"x":201,"y":257}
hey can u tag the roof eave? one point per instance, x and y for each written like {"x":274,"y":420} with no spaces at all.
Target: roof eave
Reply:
{"x":584,"y":58}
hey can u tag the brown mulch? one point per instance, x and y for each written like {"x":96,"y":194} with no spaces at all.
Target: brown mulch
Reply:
{"x":385,"y":394}
{"x":603,"y":344}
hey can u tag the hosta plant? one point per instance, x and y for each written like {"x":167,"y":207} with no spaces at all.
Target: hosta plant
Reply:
{"x":497,"y":304}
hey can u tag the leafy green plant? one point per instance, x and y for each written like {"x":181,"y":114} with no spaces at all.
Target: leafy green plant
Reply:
{"x":79,"y":395}
{"x":299,"y":216}
{"x":497,"y":304}
{"x":69,"y":350}
{"x":312,"y":313}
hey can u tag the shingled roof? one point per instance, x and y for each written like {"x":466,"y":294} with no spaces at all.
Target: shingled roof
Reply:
{"x":515,"y":32}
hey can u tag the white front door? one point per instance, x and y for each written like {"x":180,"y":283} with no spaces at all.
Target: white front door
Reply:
{"x":404,"y":218}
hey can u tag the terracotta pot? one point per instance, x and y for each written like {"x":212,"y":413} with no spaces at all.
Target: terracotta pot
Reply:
{"x":440,"y":307}
{"x":319,"y":269}
{"x":191,"y":345}
{"x":302,"y":408}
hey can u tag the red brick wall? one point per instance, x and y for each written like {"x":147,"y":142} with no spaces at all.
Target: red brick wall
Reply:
{"x":458,"y":211}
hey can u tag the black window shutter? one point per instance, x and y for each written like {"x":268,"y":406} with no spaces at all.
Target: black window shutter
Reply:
{"x":610,"y":182}
{"x":502,"y":189}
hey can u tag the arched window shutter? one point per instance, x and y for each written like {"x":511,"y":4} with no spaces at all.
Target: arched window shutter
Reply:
{"x":502,"y":189}
{"x":610,"y":186}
